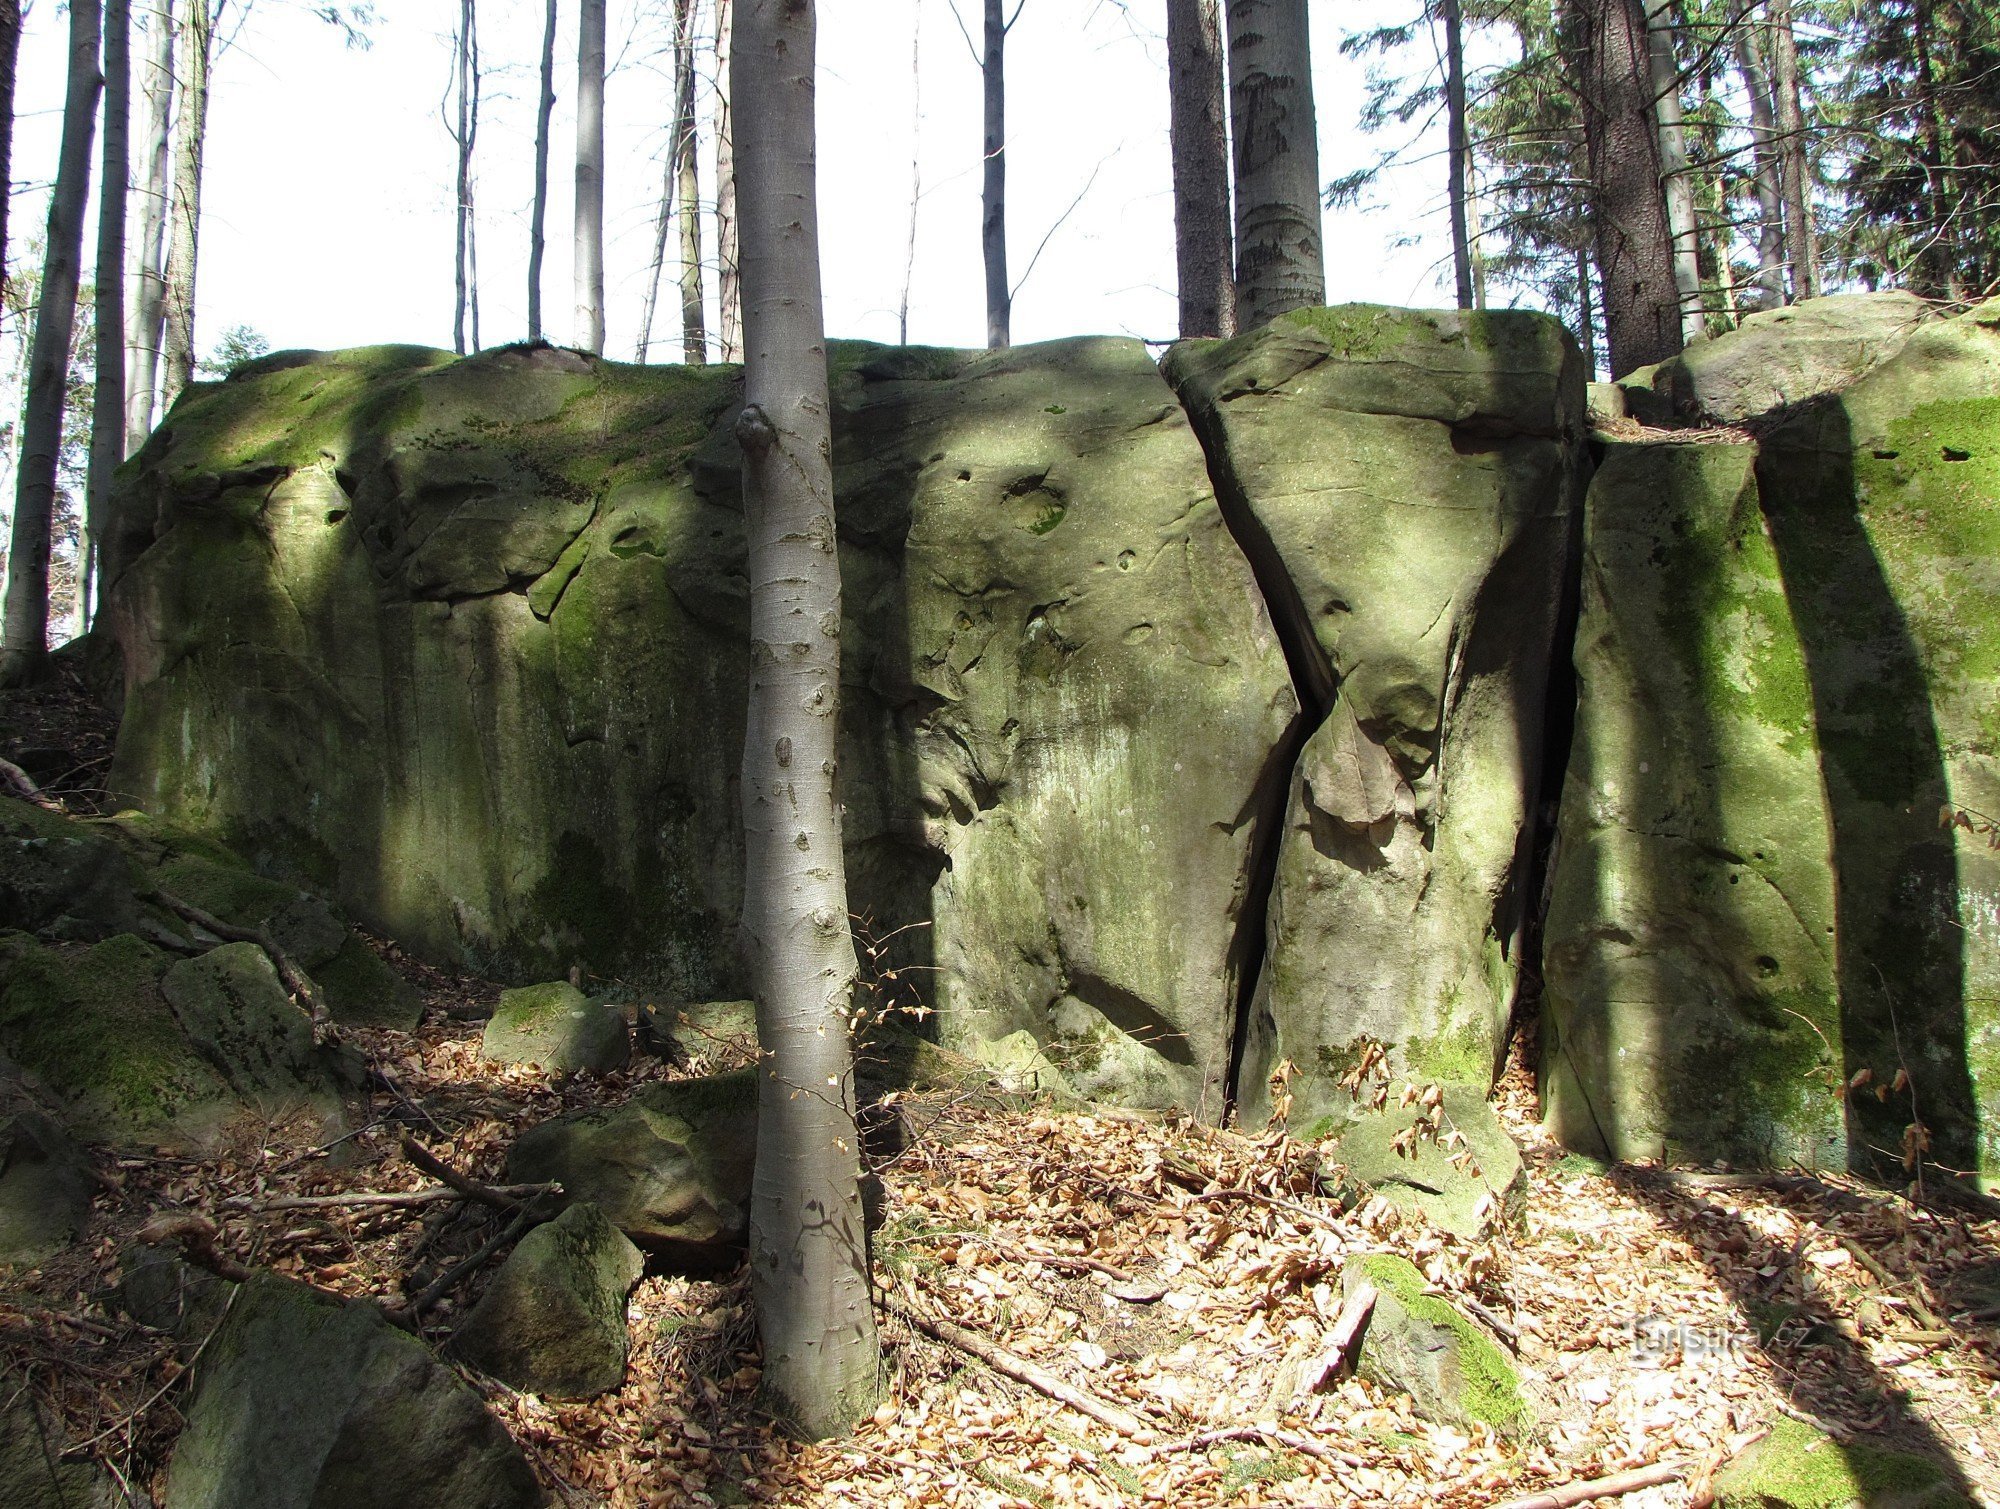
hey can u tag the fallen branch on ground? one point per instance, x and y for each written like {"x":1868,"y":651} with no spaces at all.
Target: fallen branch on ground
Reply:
{"x":1287,"y":1438}
{"x":1338,"y":1358}
{"x":408,"y":1315}
{"x":1615,"y":1486}
{"x":295,"y":980}
{"x":472,"y":1189}
{"x":1020,"y":1369}
{"x":21,"y":784}
{"x":392,"y":1199}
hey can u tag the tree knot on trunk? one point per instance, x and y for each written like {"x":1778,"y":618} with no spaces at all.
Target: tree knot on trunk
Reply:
{"x":754,"y":430}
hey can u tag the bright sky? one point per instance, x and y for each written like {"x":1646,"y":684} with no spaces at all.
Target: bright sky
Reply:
{"x":327,"y":208}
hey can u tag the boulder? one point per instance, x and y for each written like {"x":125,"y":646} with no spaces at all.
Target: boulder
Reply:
{"x":670,"y":1167}
{"x":61,"y":877}
{"x":236,"y":1014}
{"x":1421,"y":1345}
{"x":1775,"y":359}
{"x":557,"y":1028}
{"x":304,"y":1401}
{"x":32,"y":1473}
{"x":1800,"y":1467}
{"x":463,"y":643}
{"x":1467,"y":1179}
{"x":720,"y":1034}
{"x":1408,"y":485}
{"x":45,"y":1189}
{"x":552,"y":1322}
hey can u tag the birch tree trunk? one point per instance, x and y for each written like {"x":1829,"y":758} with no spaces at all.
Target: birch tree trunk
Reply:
{"x":184,"y":243}
{"x":589,"y":270}
{"x":1200,"y":140}
{"x":993,"y":188}
{"x":1279,"y":261}
{"x":1793,"y":159}
{"x":694,"y":329}
{"x":538,"y":223}
{"x":24,"y":648}
{"x":1676,"y":182}
{"x":1628,"y":208}
{"x":1770,"y":281}
{"x":147,"y":297}
{"x":107,"y":408}
{"x":729,"y":301}
{"x":808,"y":1247}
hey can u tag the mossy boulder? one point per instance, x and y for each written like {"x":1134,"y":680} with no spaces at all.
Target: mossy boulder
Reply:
{"x":556,"y":1027}
{"x":552,"y":1322}
{"x":33,"y":1474}
{"x":237,"y":1015}
{"x":1466,"y":1179}
{"x":45,"y":1188}
{"x":1799,"y":1467}
{"x":1408,"y":485}
{"x":1421,"y":1345}
{"x":719,"y":1033}
{"x":62,"y":878}
{"x":670,"y":1167}
{"x":302,"y":1400}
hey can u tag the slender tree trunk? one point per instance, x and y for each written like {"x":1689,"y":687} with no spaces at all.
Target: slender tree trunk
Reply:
{"x":1279,"y":261}
{"x":993,"y":191}
{"x":25,"y":647}
{"x":1458,"y":151}
{"x":694,"y":326}
{"x":1200,"y":136}
{"x":1938,"y":264}
{"x":1676,"y":182}
{"x":1635,"y":261}
{"x":1770,"y":282}
{"x":183,"y":248}
{"x":916,"y":168}
{"x":729,"y":301}
{"x":538,"y":224}
{"x":1586,"y":313}
{"x":10,"y":51}
{"x":461,"y":63}
{"x":808,"y":1248}
{"x":656,"y":269}
{"x":1718,"y":218}
{"x":1475,"y":247}
{"x":147,"y":297}
{"x":1794,"y":160}
{"x":590,"y":177}
{"x":107,"y":408}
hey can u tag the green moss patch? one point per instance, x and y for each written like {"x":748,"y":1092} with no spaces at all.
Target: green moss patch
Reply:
{"x":1419,"y":1343}
{"x":1798,"y":1467}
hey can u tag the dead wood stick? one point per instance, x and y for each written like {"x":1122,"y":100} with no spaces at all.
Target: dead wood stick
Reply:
{"x":1493,"y":1322}
{"x":1615,"y":1486}
{"x":196,"y":1235}
{"x":1910,"y":1288}
{"x":295,"y":980}
{"x":392,"y":1198}
{"x":21,"y":784}
{"x":472,"y":1189}
{"x":1137,"y":1291}
{"x":407,"y":1315}
{"x":1338,"y":1357}
{"x":1289,"y":1438}
{"x":1021,"y":1370}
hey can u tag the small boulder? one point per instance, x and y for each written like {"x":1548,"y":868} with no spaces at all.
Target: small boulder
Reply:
{"x":362,"y":991}
{"x":1421,"y":1345}
{"x":60,"y":877}
{"x":1799,"y":1467}
{"x":234,"y":1010}
{"x":558,"y":1028}
{"x":1464,"y":1185}
{"x":670,"y":1166}
{"x":723,"y":1033}
{"x":45,"y":1188}
{"x":32,"y":1472}
{"x":552,"y":1322}
{"x":302,"y":1400}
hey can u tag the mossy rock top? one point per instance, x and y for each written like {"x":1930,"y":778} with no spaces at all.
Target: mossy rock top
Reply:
{"x":1420,"y":1343}
{"x":1799,"y":1467}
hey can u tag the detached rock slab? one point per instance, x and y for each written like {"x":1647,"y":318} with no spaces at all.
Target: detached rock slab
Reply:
{"x":304,"y":1402}
{"x":45,"y":1187}
{"x":235,"y":1012}
{"x":1466,"y":1184}
{"x":552,"y":1322}
{"x":1798,"y":1467}
{"x":558,"y":1028}
{"x":670,"y":1167}
{"x":1420,"y":1344}
{"x":32,"y":1472}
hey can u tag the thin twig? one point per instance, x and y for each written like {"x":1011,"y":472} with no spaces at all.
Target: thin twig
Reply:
{"x":1615,"y":1486}
{"x":472,"y":1189}
{"x":295,"y":980}
{"x":1288,"y":1438}
{"x":392,"y":1199}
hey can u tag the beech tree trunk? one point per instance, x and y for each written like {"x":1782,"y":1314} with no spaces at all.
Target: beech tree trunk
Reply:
{"x":1770,"y":281}
{"x":1279,"y":261}
{"x":107,"y":408}
{"x":729,"y":301}
{"x":1458,"y":151}
{"x":1676,"y":182}
{"x":808,"y":1247}
{"x":465,"y":81}
{"x":1200,"y":137}
{"x":196,"y":52}
{"x":662,"y":224}
{"x":589,"y":271}
{"x":538,"y":223}
{"x":10,"y":51}
{"x":694,"y":326}
{"x":147,"y":297}
{"x":993,"y":190}
{"x":916,"y":167}
{"x":1795,"y":162}
{"x":24,"y":648}
{"x":1635,"y":263}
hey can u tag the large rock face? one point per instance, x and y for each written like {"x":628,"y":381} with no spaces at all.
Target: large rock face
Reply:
{"x":464,"y":642}
{"x":1409,"y":484}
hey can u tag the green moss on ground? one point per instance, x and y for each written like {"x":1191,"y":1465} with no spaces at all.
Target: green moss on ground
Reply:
{"x":1798,"y":1467}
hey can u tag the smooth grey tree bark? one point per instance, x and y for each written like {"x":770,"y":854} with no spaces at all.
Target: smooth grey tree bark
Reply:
{"x":916,"y":167}
{"x":1458,"y":151}
{"x":1795,"y":163}
{"x":465,"y":134}
{"x":1770,"y":280}
{"x":1280,"y":264}
{"x":1676,"y":182}
{"x":993,"y":185}
{"x":808,"y":1252}
{"x":107,"y":406}
{"x":589,"y":267}
{"x":24,"y":645}
{"x":729,"y":289}
{"x":694,"y":326}
{"x":1199,"y":133}
{"x":538,"y":222}
{"x":10,"y":51}
{"x":146,"y":299}
{"x":663,"y":223}
{"x":195,"y":54}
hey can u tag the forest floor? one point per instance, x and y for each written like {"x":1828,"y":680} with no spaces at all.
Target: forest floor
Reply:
{"x":1171,"y":1270}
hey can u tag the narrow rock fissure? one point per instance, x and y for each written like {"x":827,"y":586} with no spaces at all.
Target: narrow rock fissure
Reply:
{"x":1315,"y":685}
